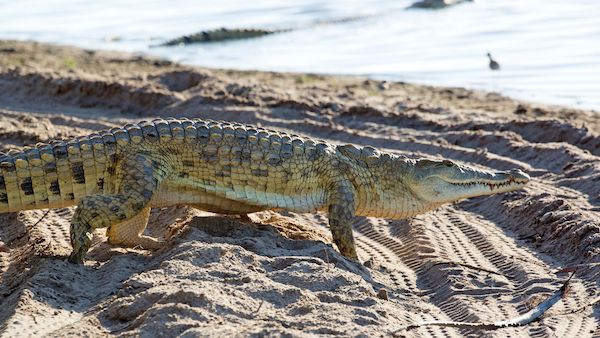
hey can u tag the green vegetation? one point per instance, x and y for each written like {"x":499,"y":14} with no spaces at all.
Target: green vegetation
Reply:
{"x":70,"y":62}
{"x":305,"y":78}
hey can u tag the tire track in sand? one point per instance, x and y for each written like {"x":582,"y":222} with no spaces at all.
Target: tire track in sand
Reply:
{"x":454,"y":259}
{"x":374,"y":243}
{"x":529,"y":274}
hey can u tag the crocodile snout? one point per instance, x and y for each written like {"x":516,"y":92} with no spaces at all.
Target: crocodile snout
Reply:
{"x":519,"y":175}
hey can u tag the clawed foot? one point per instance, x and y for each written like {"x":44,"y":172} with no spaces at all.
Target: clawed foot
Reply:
{"x":150,"y":243}
{"x":81,"y":242}
{"x":353,"y":258}
{"x":348,"y":250}
{"x":77,"y":257}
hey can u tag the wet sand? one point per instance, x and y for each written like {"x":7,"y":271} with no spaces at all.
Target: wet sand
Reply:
{"x":277,"y":274}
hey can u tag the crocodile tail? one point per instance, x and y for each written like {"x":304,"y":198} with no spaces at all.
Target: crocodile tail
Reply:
{"x":61,"y":173}
{"x":55,"y":175}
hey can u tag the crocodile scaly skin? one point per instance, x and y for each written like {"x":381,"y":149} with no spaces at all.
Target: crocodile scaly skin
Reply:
{"x":115,"y":177}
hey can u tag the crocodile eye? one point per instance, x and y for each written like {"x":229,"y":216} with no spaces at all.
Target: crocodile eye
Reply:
{"x":448,"y":164}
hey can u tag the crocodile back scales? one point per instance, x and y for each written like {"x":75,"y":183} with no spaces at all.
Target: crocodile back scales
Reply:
{"x":211,"y":161}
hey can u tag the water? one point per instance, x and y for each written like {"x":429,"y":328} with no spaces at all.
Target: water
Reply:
{"x":549,"y":50}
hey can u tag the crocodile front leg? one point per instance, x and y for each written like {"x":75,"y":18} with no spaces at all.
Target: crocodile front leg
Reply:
{"x":341,"y":214}
{"x":137,"y":180}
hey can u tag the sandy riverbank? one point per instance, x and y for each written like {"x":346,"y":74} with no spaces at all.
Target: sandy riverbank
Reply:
{"x":484,"y":259}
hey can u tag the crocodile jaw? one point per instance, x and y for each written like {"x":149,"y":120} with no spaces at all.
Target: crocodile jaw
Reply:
{"x":501,"y":181}
{"x":452,"y":182}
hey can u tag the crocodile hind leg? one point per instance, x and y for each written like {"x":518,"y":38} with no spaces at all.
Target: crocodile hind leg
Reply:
{"x":137,"y":178}
{"x":341,"y":214}
{"x":129,"y":233}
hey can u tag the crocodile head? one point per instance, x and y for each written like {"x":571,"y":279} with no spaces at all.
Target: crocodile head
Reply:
{"x":438,"y":182}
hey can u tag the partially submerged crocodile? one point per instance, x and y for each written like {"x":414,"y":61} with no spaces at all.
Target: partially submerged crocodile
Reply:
{"x":222,"y":34}
{"x":115,"y":177}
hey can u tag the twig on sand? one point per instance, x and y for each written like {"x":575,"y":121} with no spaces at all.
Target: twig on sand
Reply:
{"x":326,"y":256}
{"x":469,"y":266}
{"x":259,"y":306}
{"x":41,"y":218}
{"x":527,"y":318}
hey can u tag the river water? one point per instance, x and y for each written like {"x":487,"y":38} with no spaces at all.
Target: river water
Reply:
{"x":549,"y":50}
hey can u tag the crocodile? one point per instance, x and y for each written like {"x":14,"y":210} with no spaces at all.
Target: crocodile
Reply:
{"x":116,"y":176}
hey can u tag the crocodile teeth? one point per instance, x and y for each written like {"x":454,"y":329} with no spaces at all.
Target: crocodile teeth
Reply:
{"x":491,"y":185}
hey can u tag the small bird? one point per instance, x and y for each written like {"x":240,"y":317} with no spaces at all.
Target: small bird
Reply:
{"x":493,"y":64}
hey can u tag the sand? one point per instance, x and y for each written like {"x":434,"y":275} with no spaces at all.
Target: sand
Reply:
{"x":277,"y":274}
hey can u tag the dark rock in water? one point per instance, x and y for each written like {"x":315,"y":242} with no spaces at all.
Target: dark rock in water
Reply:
{"x":221,"y":34}
{"x":436,"y":4}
